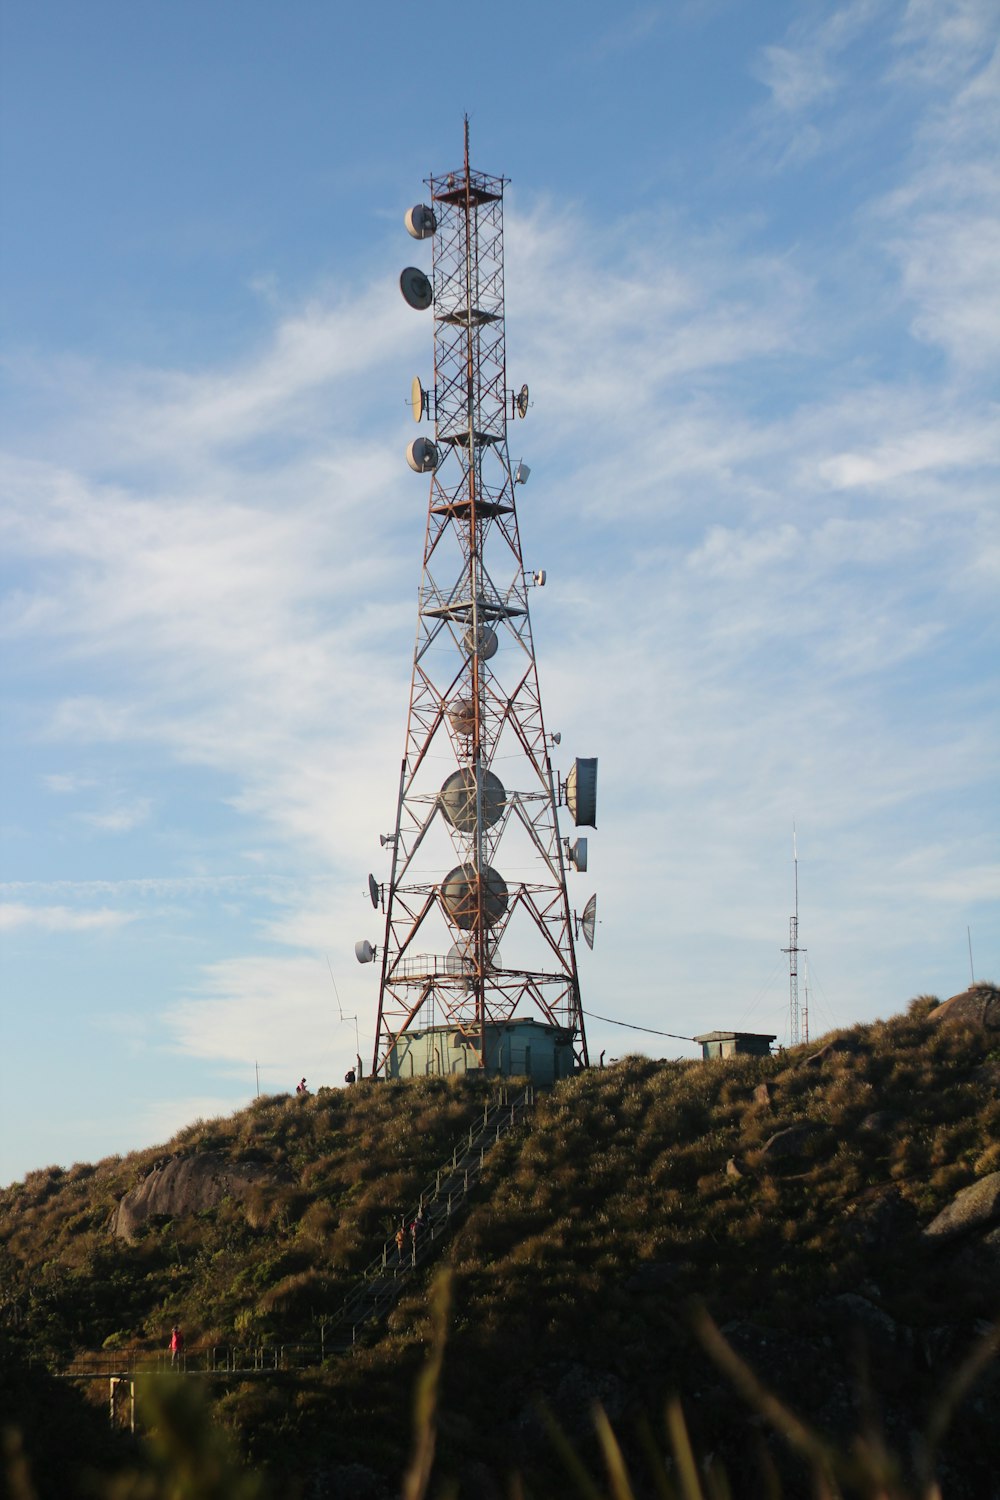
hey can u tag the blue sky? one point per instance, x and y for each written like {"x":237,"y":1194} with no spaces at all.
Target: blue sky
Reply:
{"x":752,"y":282}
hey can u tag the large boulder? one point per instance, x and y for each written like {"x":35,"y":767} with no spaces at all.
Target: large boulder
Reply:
{"x":187,"y":1184}
{"x":975,"y":1207}
{"x":980,"y":1003}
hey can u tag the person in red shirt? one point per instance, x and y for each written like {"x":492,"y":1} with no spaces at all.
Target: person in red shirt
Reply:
{"x":176,"y":1345}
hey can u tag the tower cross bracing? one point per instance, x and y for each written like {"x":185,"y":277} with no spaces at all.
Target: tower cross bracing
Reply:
{"x":478,"y":924}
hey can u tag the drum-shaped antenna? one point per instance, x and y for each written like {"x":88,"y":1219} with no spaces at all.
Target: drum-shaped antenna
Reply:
{"x":364,"y":952}
{"x":488,"y":642}
{"x":460,"y":961}
{"x":458,"y":799}
{"x":463,"y":716}
{"x":416,"y":288}
{"x":418,"y":399}
{"x":422,"y":455}
{"x":581,"y":792}
{"x":578,"y":854}
{"x":521,"y":401}
{"x":420,"y":221}
{"x":373,"y":890}
{"x":460,"y":891}
{"x":589,"y":921}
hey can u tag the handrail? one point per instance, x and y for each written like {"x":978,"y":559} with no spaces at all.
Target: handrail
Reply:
{"x":382,"y":1278}
{"x":379,"y":1285}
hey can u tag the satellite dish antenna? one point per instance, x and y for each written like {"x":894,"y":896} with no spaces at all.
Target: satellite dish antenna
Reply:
{"x":416,"y":288}
{"x":420,"y":221}
{"x":418,"y":399}
{"x":588,"y":922}
{"x":488,"y":642}
{"x":463,"y":716}
{"x":422,"y":455}
{"x":364,"y":952}
{"x":521,"y":401}
{"x":581,"y":792}
{"x":577,"y":853}
{"x":373,"y":888}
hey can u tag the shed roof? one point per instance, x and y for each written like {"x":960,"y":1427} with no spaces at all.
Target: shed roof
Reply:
{"x":734,"y":1036}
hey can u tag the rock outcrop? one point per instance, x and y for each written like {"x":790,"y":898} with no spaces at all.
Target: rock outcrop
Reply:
{"x":975,"y":1207}
{"x":980,"y":1003}
{"x":188,"y":1184}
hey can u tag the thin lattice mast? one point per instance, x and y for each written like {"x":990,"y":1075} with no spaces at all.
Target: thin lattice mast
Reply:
{"x":477,"y":860}
{"x":793,"y":950}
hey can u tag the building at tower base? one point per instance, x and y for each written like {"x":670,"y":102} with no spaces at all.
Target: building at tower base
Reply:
{"x":520,"y":1048}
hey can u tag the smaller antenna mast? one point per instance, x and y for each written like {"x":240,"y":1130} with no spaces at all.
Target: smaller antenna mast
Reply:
{"x":340,"y":1009}
{"x":793,"y":950}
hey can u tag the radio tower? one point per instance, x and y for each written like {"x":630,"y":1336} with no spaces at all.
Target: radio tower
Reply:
{"x":793,"y":950}
{"x":476,"y":854}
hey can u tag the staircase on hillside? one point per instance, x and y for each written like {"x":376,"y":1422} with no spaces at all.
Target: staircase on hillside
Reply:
{"x":441,"y":1202}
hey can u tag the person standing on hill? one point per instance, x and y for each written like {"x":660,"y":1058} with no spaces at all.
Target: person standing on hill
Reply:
{"x":176,"y":1346}
{"x":300,"y":1088}
{"x":417,"y":1231}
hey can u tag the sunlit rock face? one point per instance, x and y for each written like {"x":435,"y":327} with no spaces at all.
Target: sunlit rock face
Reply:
{"x":980,"y":1003}
{"x":182,"y":1185}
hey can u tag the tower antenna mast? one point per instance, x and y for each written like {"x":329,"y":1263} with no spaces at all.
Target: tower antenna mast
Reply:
{"x":476,"y":861}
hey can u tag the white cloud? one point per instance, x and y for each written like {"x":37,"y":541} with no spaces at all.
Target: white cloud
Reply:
{"x":66,"y":784}
{"x":757,"y":545}
{"x":15,"y":915}
{"x":120,"y":819}
{"x":279,"y":1013}
{"x":806,"y":73}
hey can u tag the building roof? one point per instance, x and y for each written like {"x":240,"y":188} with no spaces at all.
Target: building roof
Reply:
{"x":734,"y":1036}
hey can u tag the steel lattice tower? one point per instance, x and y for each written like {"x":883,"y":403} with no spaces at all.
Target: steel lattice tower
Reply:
{"x":793,"y":950}
{"x":477,"y":857}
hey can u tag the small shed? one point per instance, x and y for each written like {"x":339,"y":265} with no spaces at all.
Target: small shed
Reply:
{"x":517,"y":1048}
{"x":734,"y":1044}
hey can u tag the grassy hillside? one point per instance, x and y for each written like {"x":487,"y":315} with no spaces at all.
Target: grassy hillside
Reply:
{"x":787,"y":1195}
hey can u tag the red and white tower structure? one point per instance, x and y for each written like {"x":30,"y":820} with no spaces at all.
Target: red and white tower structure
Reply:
{"x":477,"y":963}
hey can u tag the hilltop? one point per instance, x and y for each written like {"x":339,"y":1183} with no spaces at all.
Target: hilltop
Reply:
{"x":836,"y":1209}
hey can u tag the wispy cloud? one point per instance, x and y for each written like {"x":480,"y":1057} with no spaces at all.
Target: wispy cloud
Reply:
{"x":768,"y":565}
{"x":278,"y":1012}
{"x":16,"y":915}
{"x":66,"y":784}
{"x":120,"y":819}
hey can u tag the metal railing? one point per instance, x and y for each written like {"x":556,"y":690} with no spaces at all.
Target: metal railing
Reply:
{"x":199,"y":1359}
{"x":372,"y":1297}
{"x":441,"y":1200}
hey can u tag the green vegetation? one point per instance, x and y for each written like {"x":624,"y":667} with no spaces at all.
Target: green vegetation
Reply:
{"x":781,"y":1200}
